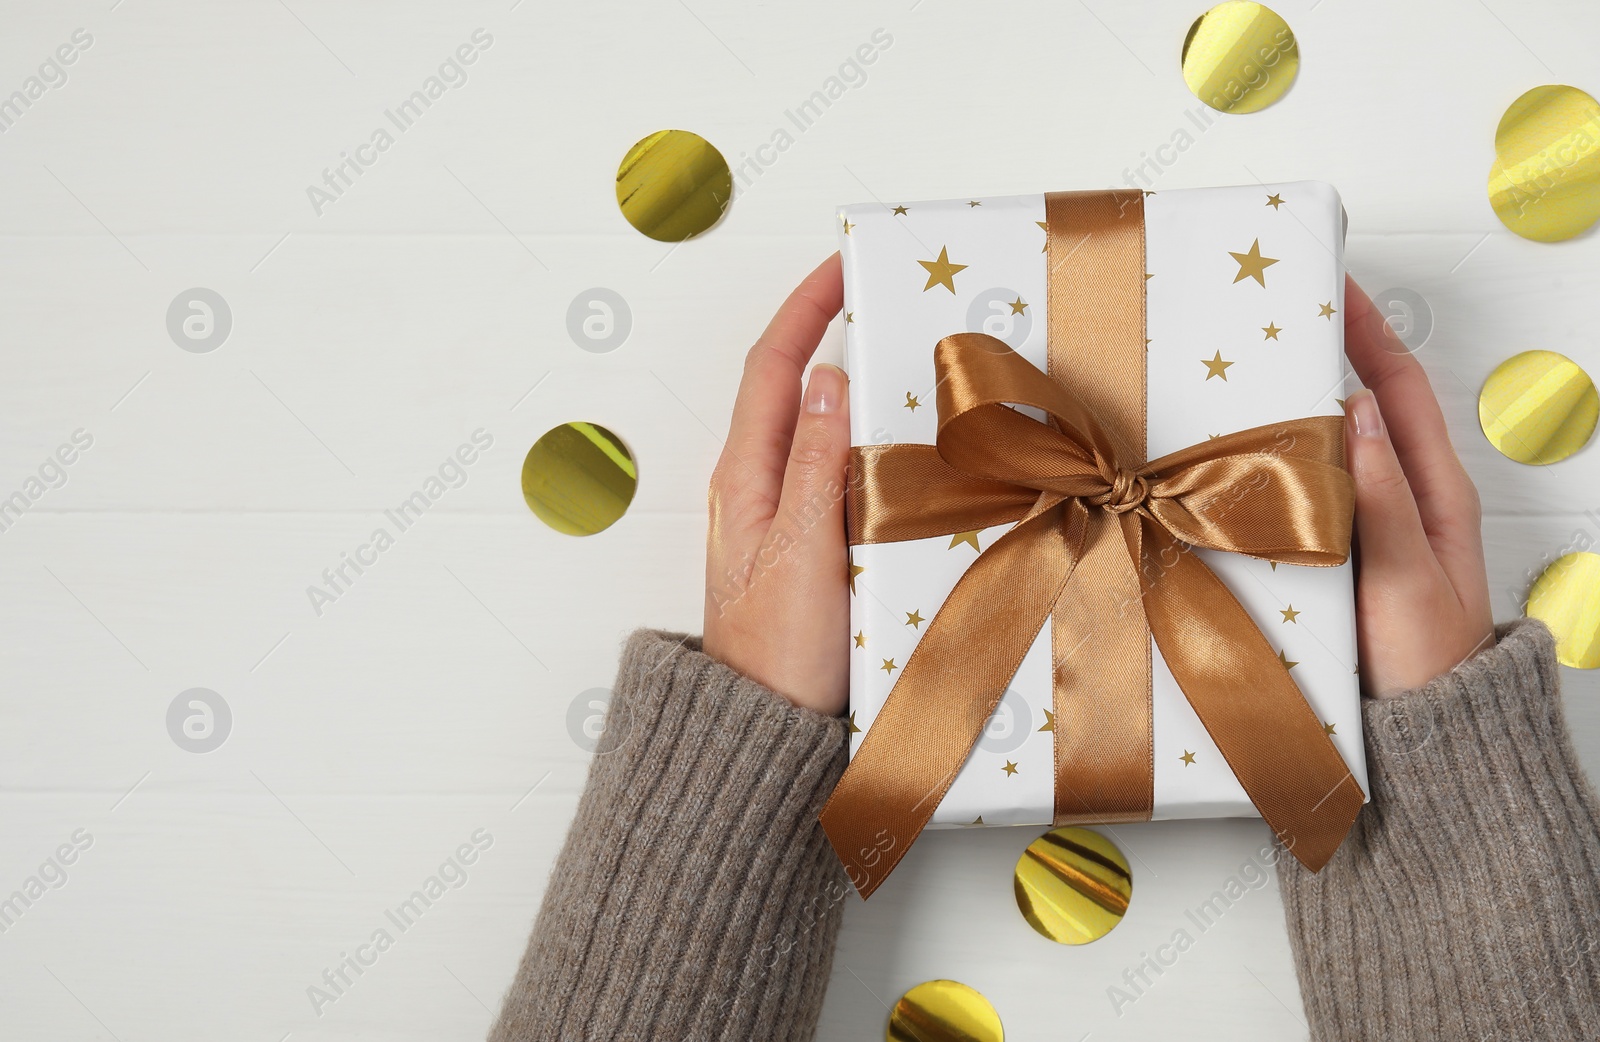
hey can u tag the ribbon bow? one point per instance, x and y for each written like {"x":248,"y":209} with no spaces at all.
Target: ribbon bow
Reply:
{"x":1102,"y":548}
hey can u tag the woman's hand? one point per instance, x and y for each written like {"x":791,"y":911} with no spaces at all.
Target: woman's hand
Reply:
{"x":777,"y":605}
{"x":1422,"y":595}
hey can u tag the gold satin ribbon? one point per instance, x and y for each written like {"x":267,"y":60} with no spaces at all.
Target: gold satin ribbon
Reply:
{"x":1100,"y":548}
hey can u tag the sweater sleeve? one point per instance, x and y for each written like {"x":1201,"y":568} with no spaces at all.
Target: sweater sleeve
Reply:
{"x":696,"y":896}
{"x":1465,"y":903}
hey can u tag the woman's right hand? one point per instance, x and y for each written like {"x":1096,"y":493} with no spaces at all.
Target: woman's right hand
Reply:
{"x":1422,"y":592}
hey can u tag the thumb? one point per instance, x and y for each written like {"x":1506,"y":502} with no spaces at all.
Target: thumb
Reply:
{"x":811,"y":507}
{"x":1388,"y":525}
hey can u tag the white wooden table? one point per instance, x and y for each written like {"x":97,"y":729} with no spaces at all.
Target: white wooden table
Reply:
{"x":430,"y":699}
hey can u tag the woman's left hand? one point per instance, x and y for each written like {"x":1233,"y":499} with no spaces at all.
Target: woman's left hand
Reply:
{"x":777,"y":599}
{"x":1422,"y":592}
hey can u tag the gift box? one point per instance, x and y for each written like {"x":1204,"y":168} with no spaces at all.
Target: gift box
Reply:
{"x":1206,"y":322}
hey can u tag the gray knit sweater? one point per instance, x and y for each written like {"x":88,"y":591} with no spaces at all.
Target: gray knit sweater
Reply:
{"x":696,"y":897}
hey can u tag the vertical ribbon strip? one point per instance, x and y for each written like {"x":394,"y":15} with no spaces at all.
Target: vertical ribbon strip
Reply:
{"x":1096,"y":315}
{"x":1100,"y":547}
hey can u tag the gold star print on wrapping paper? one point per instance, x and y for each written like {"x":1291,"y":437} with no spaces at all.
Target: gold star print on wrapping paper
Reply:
{"x":1328,"y":730}
{"x":901,"y":211}
{"x":852,"y":722}
{"x":1215,"y":366}
{"x":914,"y":619}
{"x":849,"y":317}
{"x":1327,"y":311}
{"x":847,"y":226}
{"x":1288,"y":663}
{"x":1274,"y":201}
{"x":888,"y":666}
{"x":860,"y":638}
{"x":970,"y":538}
{"x":912,"y":402}
{"x":1271,"y":330}
{"x":942,"y":272}
{"x":1017,"y":306}
{"x":1252,"y":265}
{"x":855,"y":570}
{"x":1289,"y":614}
{"x":1010,"y":768}
{"x":1049,"y":721}
{"x":1187,"y":758}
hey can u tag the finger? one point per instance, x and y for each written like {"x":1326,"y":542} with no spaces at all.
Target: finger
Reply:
{"x":809,"y":528}
{"x":754,"y":456}
{"x":1394,"y":547}
{"x":1445,"y":498}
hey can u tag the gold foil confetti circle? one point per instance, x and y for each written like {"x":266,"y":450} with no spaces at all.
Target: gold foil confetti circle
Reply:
{"x":673,"y":185}
{"x":1240,"y":57}
{"x":1073,"y":885}
{"x":1545,"y":182}
{"x":1538,"y":407}
{"x":944,"y":1011}
{"x":579,"y":478}
{"x":1567,"y":599}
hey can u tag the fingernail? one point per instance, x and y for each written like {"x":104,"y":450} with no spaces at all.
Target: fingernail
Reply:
{"x":1364,"y":414}
{"x":825,"y":393}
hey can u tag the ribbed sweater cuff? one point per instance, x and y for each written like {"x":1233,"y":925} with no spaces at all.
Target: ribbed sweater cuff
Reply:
{"x":696,"y":897}
{"x":1465,"y":902}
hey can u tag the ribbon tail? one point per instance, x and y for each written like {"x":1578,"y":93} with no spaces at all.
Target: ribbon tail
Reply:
{"x":1255,"y":714}
{"x":945,"y":695}
{"x":1100,"y":646}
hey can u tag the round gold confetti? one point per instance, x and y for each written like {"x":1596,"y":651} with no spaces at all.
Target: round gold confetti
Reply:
{"x":1073,"y":885}
{"x":1538,"y":407}
{"x":579,"y":478}
{"x":673,"y":185}
{"x":1567,"y":599}
{"x":1240,"y":57}
{"x":1545,"y":182}
{"x":944,"y":1011}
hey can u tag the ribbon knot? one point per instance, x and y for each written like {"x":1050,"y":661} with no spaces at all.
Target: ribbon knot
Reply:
{"x":1128,"y":492}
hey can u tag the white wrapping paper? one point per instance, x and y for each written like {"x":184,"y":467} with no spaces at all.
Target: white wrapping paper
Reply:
{"x":1283,"y":334}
